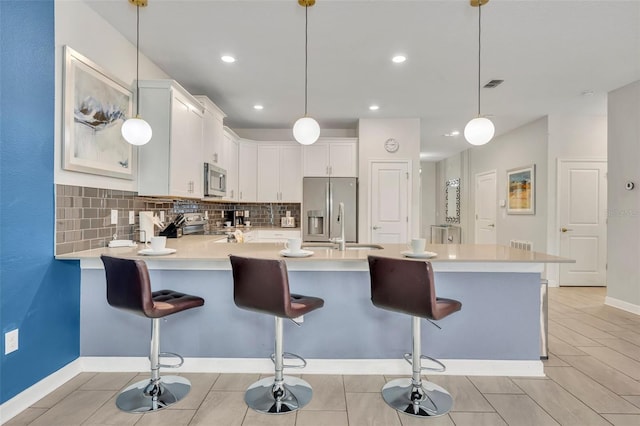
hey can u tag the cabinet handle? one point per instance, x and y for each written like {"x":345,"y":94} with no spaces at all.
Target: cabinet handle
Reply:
{"x":215,"y":157}
{"x":241,"y":195}
{"x":376,"y":227}
{"x":330,"y":170}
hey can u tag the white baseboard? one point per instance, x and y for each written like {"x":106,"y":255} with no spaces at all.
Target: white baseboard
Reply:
{"x":621,"y":304}
{"x":457,"y":367}
{"x":39,"y":390}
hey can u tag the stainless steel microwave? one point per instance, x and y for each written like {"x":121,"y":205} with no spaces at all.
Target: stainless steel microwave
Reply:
{"x":215,"y":181}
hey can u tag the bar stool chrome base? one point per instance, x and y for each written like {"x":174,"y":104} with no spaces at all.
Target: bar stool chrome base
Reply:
{"x":145,"y":396}
{"x":426,"y":400}
{"x":265,"y":396}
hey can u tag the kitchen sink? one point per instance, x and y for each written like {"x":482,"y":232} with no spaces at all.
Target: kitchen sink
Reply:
{"x":350,"y":246}
{"x":363,"y":247}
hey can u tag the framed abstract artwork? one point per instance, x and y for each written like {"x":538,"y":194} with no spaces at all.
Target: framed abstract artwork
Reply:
{"x":521,"y":190}
{"x":94,"y":107}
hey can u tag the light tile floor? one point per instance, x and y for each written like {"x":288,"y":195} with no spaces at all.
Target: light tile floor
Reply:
{"x":593,"y":375}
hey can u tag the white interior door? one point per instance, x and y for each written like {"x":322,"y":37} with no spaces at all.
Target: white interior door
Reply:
{"x":486,"y":205}
{"x":582,"y":204}
{"x":389,"y":202}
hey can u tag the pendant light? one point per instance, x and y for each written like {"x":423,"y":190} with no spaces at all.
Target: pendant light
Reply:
{"x":480,"y":130}
{"x":306,"y":130}
{"x":136,"y":131}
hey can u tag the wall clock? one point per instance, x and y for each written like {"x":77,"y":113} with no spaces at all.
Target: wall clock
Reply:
{"x":391,"y":145}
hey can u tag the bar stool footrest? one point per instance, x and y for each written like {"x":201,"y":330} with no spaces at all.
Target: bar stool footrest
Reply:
{"x":289,"y":355}
{"x":440,"y":369}
{"x":171,"y":355}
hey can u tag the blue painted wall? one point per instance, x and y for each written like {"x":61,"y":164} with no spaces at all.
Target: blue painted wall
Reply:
{"x":38,"y":295}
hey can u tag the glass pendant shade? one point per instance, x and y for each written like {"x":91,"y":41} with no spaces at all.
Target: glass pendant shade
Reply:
{"x":479,"y":131}
{"x":306,"y":130}
{"x":136,"y":131}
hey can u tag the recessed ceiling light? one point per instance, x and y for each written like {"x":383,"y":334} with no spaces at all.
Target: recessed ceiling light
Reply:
{"x":398,"y":59}
{"x":587,"y":93}
{"x":374,"y":107}
{"x":258,"y":107}
{"x":228,"y":59}
{"x":452,"y":133}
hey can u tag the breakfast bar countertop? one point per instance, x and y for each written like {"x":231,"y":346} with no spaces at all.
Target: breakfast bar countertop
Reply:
{"x":204,"y":252}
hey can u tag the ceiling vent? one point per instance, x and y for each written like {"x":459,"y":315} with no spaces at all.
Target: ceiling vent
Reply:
{"x":493,"y":83}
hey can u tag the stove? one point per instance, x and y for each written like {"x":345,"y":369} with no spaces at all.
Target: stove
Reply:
{"x":194,"y":224}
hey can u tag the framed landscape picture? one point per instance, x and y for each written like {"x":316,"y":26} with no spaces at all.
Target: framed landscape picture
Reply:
{"x":521,"y":190}
{"x":94,"y":107}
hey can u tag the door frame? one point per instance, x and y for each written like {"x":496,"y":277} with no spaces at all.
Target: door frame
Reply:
{"x":475,"y":203}
{"x":554,"y":274}
{"x":409,"y":193}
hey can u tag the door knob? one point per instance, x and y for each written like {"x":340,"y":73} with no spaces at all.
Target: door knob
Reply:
{"x":376,"y":227}
{"x":565,"y":229}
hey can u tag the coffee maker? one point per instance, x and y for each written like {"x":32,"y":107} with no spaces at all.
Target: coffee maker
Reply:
{"x":236,"y":217}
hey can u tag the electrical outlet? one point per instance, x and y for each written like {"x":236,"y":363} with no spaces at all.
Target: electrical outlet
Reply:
{"x":132,"y":217}
{"x":10,"y":341}
{"x":114,"y":217}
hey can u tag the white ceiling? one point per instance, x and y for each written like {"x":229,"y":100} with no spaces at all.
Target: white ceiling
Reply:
{"x":548,"y":52}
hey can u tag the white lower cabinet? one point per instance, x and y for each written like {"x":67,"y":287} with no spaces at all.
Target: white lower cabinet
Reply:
{"x":275,"y":236}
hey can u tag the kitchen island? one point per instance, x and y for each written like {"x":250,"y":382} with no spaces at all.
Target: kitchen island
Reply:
{"x":496,"y":332}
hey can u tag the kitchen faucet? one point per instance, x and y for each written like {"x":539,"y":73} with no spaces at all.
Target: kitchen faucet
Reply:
{"x":340,"y":240}
{"x":271,"y":214}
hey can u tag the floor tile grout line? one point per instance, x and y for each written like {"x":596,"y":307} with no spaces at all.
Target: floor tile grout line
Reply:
{"x":602,"y":361}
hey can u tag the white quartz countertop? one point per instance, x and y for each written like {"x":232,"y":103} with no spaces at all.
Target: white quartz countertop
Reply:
{"x":202,"y":252}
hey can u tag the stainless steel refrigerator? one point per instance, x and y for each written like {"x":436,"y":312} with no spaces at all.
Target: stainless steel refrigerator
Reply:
{"x":320,"y":200}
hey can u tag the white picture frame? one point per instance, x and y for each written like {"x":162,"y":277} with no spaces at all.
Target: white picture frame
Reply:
{"x":95,"y":105}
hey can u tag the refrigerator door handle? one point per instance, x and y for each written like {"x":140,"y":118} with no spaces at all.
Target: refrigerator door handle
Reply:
{"x":329,"y":204}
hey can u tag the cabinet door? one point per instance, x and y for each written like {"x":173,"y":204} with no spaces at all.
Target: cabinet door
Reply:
{"x":290,"y":174}
{"x":316,"y":160}
{"x":231,"y":165}
{"x":247,"y":171}
{"x":342,"y":159}
{"x":194,"y":146}
{"x":180,"y":168}
{"x":212,"y":137}
{"x":268,"y":172}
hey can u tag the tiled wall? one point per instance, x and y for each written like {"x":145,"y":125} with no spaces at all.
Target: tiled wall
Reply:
{"x":83,"y":214}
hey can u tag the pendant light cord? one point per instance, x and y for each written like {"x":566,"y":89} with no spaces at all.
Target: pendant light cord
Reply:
{"x":479,"y":49}
{"x":306,"y":55}
{"x":137,"y":60}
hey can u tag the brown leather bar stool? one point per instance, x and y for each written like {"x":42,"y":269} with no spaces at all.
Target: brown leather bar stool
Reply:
{"x":407,"y":286}
{"x":129,"y":288}
{"x":262,"y":285}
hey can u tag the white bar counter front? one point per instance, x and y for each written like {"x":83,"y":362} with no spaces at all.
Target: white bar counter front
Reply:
{"x":497,"y":332}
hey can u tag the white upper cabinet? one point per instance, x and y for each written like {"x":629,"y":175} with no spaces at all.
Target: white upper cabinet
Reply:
{"x":279,"y":173}
{"x":212,"y":131}
{"x":247,"y":171}
{"x":335,"y":157}
{"x":171,"y":163}
{"x":230,"y":163}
